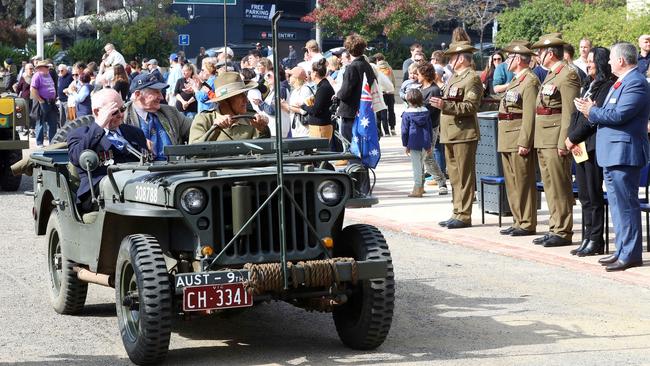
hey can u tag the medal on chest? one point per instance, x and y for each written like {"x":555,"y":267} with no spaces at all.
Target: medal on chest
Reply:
{"x":549,"y":89}
{"x":512,"y":96}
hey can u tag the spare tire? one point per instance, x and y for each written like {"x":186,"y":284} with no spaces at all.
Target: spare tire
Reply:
{"x":63,"y":132}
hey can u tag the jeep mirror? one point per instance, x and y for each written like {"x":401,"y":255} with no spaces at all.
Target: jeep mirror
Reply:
{"x":88,"y":160}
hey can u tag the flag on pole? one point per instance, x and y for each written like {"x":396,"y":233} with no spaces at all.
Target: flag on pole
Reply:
{"x":365,"y":140}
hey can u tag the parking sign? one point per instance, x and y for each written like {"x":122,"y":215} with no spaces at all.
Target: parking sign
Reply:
{"x":183,"y":39}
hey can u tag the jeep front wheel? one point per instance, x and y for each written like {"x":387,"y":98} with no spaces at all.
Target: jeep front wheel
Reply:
{"x":143,"y":299}
{"x":67,"y":292}
{"x":364,"y":320}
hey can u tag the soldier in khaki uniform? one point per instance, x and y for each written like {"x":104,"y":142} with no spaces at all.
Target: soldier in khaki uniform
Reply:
{"x":553,"y":116}
{"x":516,"y":132}
{"x":459,"y":131}
{"x":231,"y":95}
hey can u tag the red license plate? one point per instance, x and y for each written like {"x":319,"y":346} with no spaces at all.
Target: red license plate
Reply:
{"x":209,"y":297}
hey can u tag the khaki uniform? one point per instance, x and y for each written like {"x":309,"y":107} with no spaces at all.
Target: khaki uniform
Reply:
{"x":459,"y":132}
{"x":553,"y":116}
{"x":516,"y":128}
{"x":240,"y":129}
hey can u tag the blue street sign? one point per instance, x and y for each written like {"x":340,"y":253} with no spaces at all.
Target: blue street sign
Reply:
{"x":183,"y":39}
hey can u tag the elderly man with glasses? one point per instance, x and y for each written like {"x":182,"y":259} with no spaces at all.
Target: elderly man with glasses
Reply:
{"x":108,"y":136}
{"x":162,"y":124}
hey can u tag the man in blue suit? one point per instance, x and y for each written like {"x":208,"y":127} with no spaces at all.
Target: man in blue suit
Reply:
{"x":108,"y":137}
{"x":622,"y":150}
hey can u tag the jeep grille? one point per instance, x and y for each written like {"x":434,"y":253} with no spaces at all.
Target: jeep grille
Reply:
{"x":263,"y":242}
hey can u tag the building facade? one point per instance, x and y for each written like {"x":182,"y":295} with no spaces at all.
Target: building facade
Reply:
{"x":247,"y":21}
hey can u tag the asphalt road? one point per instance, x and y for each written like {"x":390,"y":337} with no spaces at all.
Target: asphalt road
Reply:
{"x":454,"y":307}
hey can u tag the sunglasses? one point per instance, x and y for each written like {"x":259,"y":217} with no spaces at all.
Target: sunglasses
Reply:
{"x":75,"y":74}
{"x":120,"y":110}
{"x":497,"y":59}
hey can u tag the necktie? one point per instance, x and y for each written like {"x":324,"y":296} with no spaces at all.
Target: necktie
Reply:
{"x":116,"y":140}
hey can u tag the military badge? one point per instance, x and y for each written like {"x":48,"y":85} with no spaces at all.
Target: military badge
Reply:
{"x":549,"y":89}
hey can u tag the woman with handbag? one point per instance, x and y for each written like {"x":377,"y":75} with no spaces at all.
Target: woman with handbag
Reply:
{"x":300,"y":92}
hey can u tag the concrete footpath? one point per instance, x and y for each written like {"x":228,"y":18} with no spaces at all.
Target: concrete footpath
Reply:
{"x":420,"y":216}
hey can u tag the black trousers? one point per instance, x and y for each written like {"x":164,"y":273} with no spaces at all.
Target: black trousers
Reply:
{"x":389,"y":99}
{"x":382,"y":120}
{"x":589,"y":177}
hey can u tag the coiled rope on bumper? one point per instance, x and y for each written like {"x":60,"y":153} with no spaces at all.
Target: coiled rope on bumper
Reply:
{"x":267,"y":277}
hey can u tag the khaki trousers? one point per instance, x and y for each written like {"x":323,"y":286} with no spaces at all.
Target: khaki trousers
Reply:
{"x":519,"y":172}
{"x":321,"y":131}
{"x":461,"y":166}
{"x":556,"y":176}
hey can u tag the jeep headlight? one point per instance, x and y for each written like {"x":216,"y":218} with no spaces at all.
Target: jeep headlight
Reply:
{"x":330,"y":192}
{"x":193,"y":200}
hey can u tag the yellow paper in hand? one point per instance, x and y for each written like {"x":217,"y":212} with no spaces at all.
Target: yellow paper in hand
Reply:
{"x":583,"y":156}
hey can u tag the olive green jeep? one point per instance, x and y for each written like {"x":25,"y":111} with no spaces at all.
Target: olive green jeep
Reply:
{"x":13,"y":113}
{"x":219,"y":226}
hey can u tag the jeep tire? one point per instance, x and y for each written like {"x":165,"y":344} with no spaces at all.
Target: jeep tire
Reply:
{"x":364,"y":320}
{"x":143,"y":299}
{"x":67,"y":292}
{"x":8,"y":181}
{"x":63,"y":132}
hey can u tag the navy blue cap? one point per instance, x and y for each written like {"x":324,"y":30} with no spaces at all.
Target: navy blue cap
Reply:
{"x":146,"y":81}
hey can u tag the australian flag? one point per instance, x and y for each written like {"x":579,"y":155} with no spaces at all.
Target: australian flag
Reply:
{"x":365,"y":140}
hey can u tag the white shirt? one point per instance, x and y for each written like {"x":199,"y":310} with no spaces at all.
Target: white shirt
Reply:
{"x":581,"y":64}
{"x":297,"y":98}
{"x":114,"y":58}
{"x":175,"y":73}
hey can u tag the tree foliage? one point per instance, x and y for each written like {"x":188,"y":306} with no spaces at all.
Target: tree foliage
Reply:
{"x":147,"y":30}
{"x":476,"y":14}
{"x":535,"y":18}
{"x":604,"y":26}
{"x":12,"y":34}
{"x":86,"y":50}
{"x":392,"y":18}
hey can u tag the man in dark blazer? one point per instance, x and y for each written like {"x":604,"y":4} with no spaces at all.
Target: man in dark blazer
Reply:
{"x":350,"y":92}
{"x":622,"y":150}
{"x":108,"y":137}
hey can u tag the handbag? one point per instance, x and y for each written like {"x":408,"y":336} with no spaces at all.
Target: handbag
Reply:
{"x":301,"y":118}
{"x":36,"y":112}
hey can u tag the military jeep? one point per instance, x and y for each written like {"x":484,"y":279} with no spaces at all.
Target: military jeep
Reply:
{"x":13,"y":113}
{"x":206,"y":232}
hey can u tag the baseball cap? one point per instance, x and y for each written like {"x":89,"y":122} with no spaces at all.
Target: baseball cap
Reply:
{"x":153,"y":61}
{"x":173,"y":57}
{"x":338,"y":51}
{"x":146,"y":81}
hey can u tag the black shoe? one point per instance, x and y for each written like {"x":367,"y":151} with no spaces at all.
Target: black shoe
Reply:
{"x":608,"y":260}
{"x":457,"y":224}
{"x":622,"y":266}
{"x":521,"y":232}
{"x":541,"y":239}
{"x":593,"y":247}
{"x":507,"y":231}
{"x":556,"y":241}
{"x":581,"y":247}
{"x":444,"y":223}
